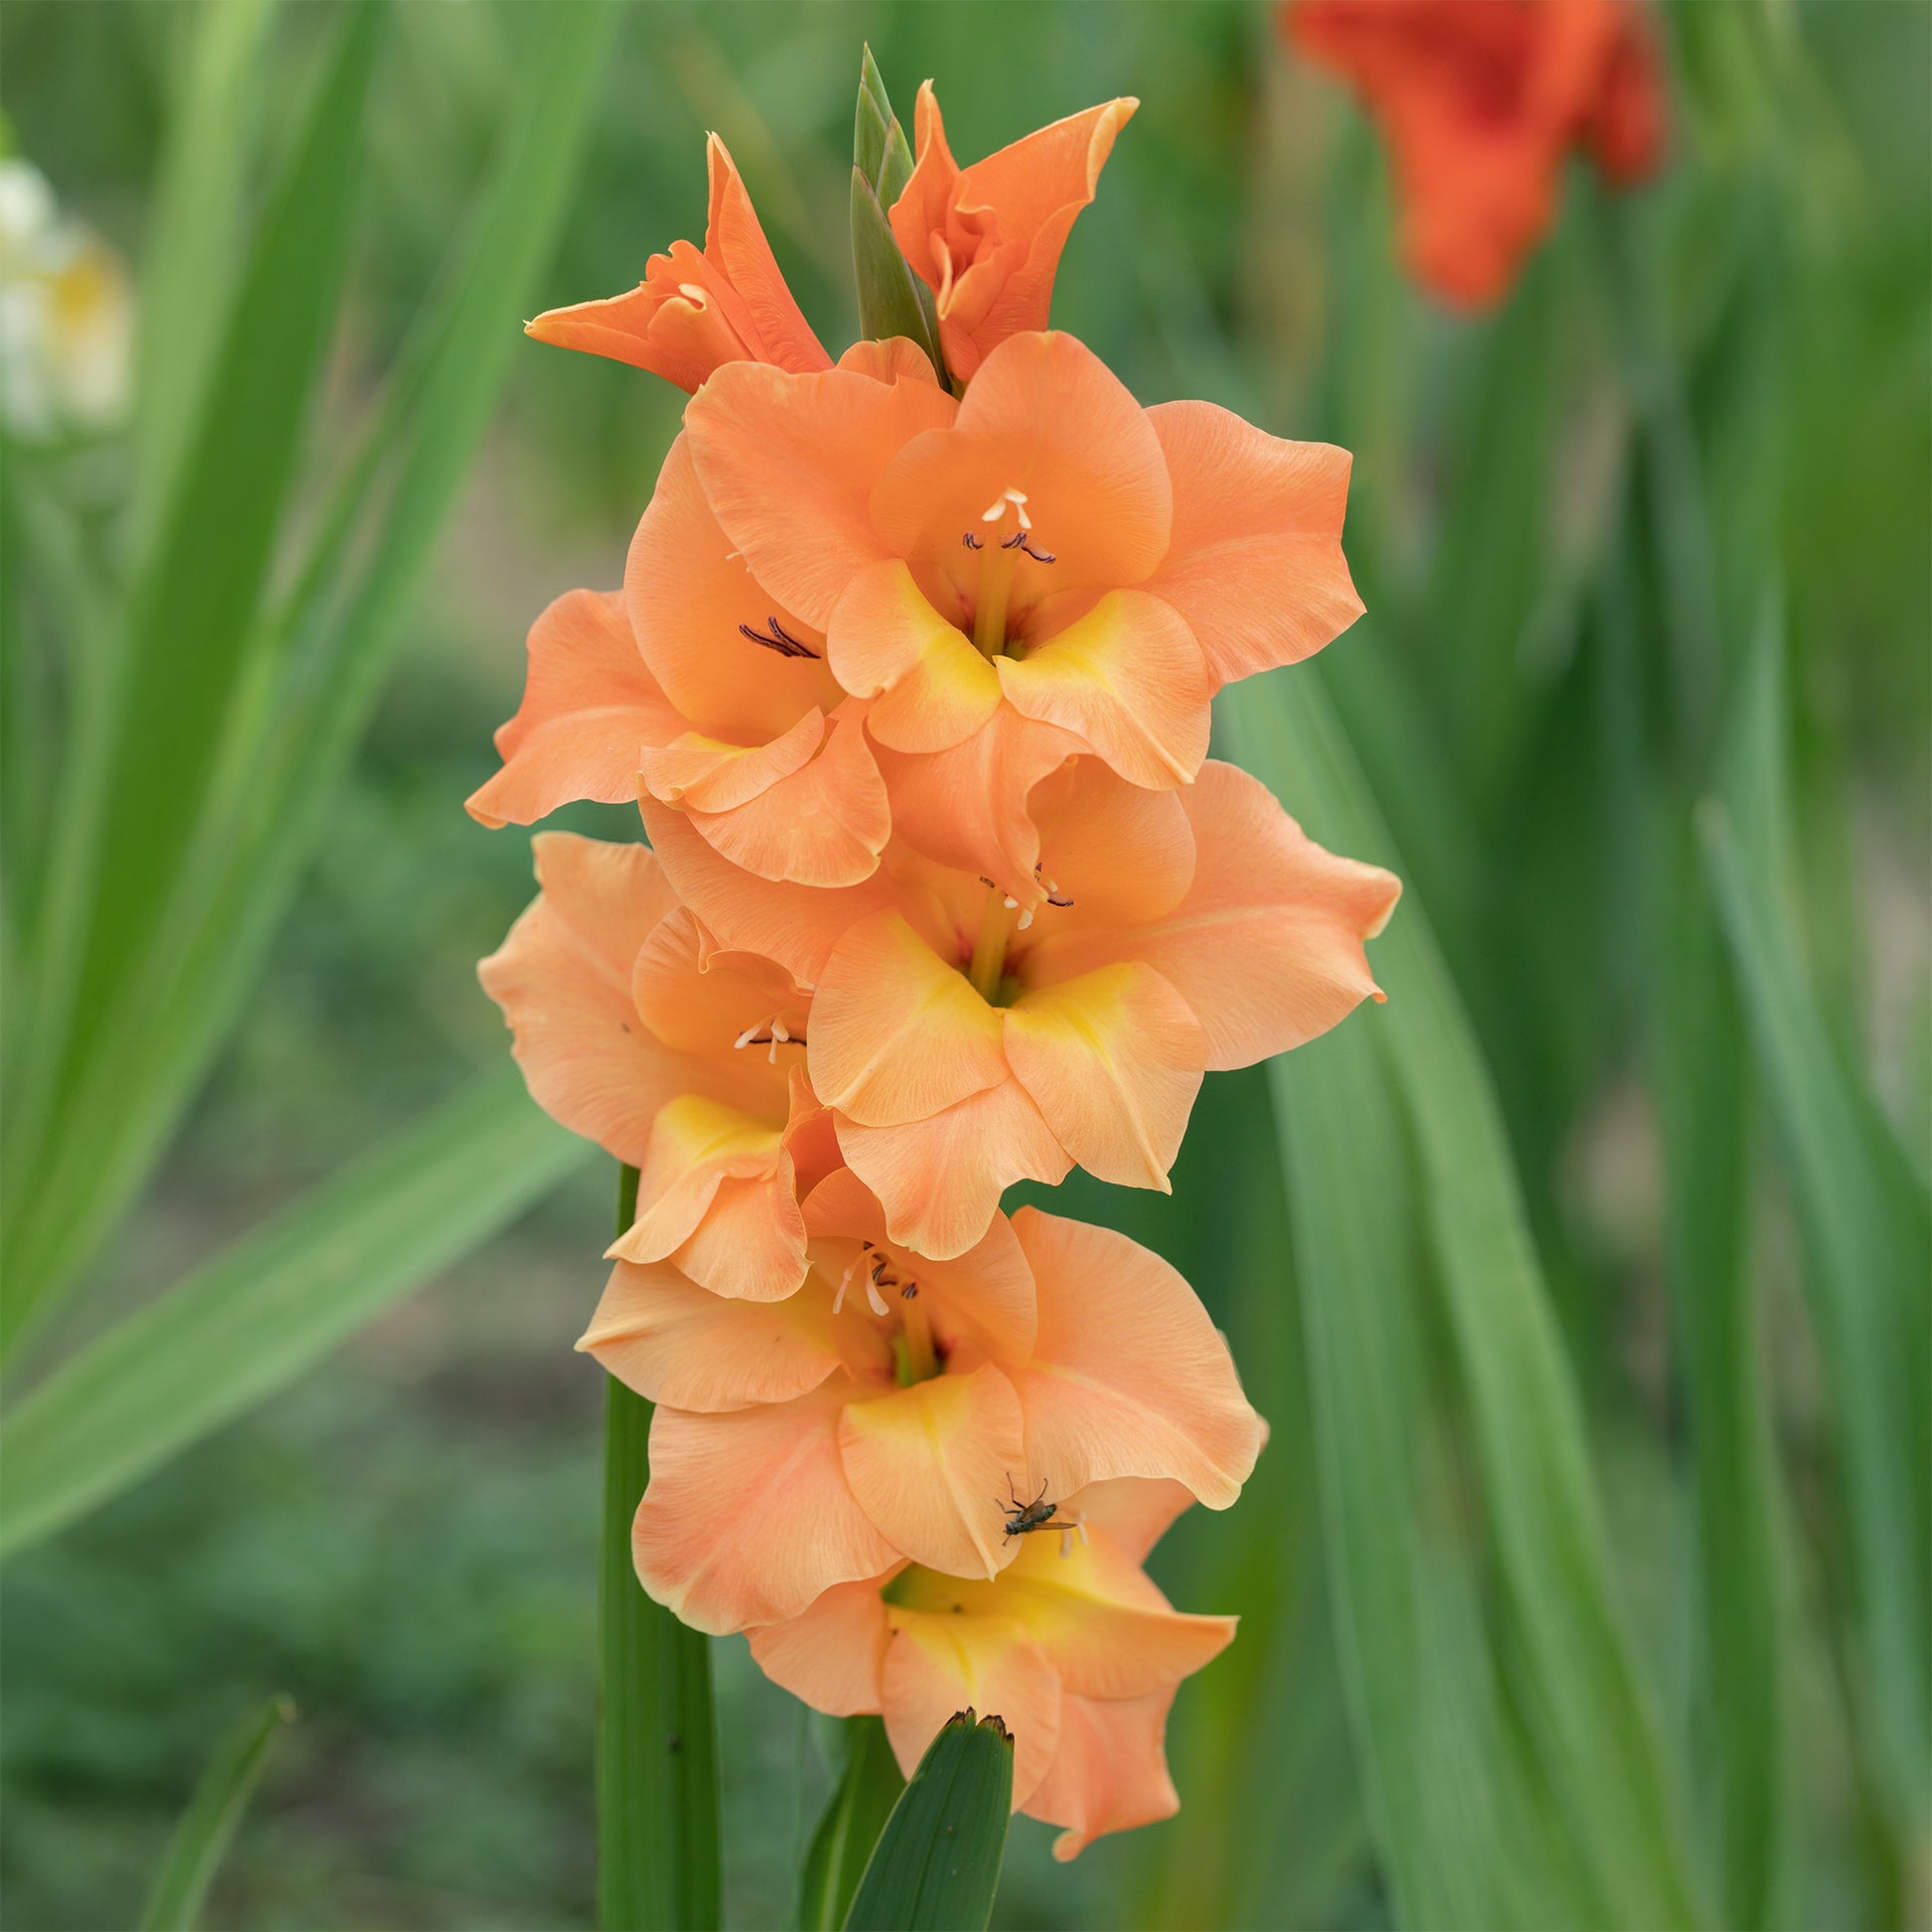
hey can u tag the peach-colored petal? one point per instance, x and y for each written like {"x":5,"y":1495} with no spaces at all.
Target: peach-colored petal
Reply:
{"x":704,"y":1002}
{"x":889,"y":358}
{"x":676,"y":1343}
{"x":735,"y":660}
{"x":695,"y":1144}
{"x":833,"y":1654}
{"x":1266,"y":946}
{"x":563,"y":981}
{"x":940,"y":1180}
{"x":1129,"y":679}
{"x":695,"y":312}
{"x":986,"y":1293}
{"x":1110,"y":1772}
{"x":971,"y":807}
{"x":1130,"y":1512}
{"x":788,"y":463}
{"x":795,"y":927}
{"x":824,"y":824}
{"x":932,"y":688}
{"x":589,"y":704}
{"x":751,"y":1242}
{"x":1255,"y":566}
{"x":1113,"y":1060}
{"x":936,"y":1665}
{"x":930,"y":1463}
{"x":1129,"y":1377}
{"x":710,"y":774}
{"x":1117,"y":852}
{"x":896,"y":1035}
{"x":748,"y":1516}
{"x":1046,"y":417}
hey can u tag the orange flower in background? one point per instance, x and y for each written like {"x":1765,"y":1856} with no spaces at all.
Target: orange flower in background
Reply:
{"x":1481,"y":102}
{"x":683,"y":1062}
{"x":896,"y":1404}
{"x":695,"y":312}
{"x":965,"y":1043}
{"x":986,"y":239}
{"x":1072,"y":1644}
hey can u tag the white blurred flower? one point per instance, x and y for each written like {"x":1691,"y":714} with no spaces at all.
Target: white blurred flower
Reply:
{"x":67,"y":316}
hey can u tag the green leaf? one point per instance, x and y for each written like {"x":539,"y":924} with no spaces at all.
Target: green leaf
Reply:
{"x":938,"y":1861}
{"x":658,"y":1865}
{"x":854,"y":1817}
{"x":201,"y":1840}
{"x":1557,"y":1642}
{"x":254,"y":1319}
{"x":1867,"y":1228}
{"x":893,"y":301}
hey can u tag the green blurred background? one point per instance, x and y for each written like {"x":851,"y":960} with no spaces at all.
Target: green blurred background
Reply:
{"x":405,"y":1541}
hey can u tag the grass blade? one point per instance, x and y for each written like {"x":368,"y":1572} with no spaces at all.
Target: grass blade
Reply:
{"x":658,"y":1863}
{"x":938,"y":1861}
{"x":201,"y":1838}
{"x":256,"y":1317}
{"x":1571,"y":1680}
{"x":854,"y":1815}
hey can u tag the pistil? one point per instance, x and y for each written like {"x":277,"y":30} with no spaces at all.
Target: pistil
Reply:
{"x":920,"y":1359}
{"x":989,"y":947}
{"x":994,"y":592}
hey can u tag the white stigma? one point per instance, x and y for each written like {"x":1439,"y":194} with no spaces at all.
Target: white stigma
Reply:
{"x":1017,"y":498}
{"x":845,"y":1281}
{"x":744,"y":1038}
{"x":875,"y":1299}
{"x":1026,"y":918}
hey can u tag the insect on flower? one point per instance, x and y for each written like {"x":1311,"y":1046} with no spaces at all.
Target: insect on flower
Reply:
{"x":1023,"y":1519}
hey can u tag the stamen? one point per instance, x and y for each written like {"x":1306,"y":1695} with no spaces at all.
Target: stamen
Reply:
{"x":909,"y":1293}
{"x":749,"y":1034}
{"x":845,"y":1280}
{"x":1007,"y":903}
{"x":1026,"y":917}
{"x":781,"y":640}
{"x":971,"y":541}
{"x":875,"y":1299}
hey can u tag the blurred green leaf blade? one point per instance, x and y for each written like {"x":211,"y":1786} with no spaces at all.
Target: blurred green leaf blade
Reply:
{"x":259,"y":1315}
{"x":938,"y":1861}
{"x":854,"y":1815}
{"x":201,"y":1838}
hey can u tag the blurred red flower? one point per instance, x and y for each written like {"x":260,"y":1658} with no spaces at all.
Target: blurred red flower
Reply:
{"x":1481,"y":101}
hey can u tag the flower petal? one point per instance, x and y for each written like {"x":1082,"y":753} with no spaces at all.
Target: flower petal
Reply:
{"x":823,"y":825}
{"x":788,"y":463}
{"x":1266,"y":946}
{"x":1113,"y":1060}
{"x":563,"y":981}
{"x":936,"y":1665}
{"x":734,"y":238}
{"x":749,"y":1517}
{"x":932,"y":687}
{"x":898,"y":1035}
{"x":940,"y":1180}
{"x":929,"y":1465}
{"x":589,"y":704}
{"x":831,"y":1655}
{"x":1129,"y":1377}
{"x":1129,"y":679}
{"x":676,"y":1343}
{"x":695,"y":1144}
{"x":749,"y":1244}
{"x":1110,"y":1772}
{"x":711,"y":775}
{"x":971,"y":807}
{"x":1117,"y":851}
{"x":704,"y":1003}
{"x":1046,"y":417}
{"x":1255,"y":567}
{"x":795,"y":927}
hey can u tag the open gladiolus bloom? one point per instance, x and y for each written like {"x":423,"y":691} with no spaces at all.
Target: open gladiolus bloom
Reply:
{"x":1481,"y":102}
{"x":1070,"y":1637}
{"x":910,"y":677}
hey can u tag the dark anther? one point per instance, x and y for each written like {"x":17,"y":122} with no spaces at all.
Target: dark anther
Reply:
{"x":1017,"y":541}
{"x":781,"y":640}
{"x":1053,"y":898}
{"x":970,"y":541}
{"x":909,"y":1293}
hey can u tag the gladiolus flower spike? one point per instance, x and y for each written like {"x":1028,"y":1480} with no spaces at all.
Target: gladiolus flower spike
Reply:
{"x":910,"y":676}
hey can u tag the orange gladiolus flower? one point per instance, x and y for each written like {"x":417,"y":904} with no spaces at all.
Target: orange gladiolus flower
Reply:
{"x":1043,"y":554}
{"x":1481,"y":101}
{"x":986,"y":239}
{"x":894,"y":1405}
{"x":693,"y":313}
{"x":1072,"y":1644}
{"x":684,"y":1063}
{"x":965,"y":1043}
